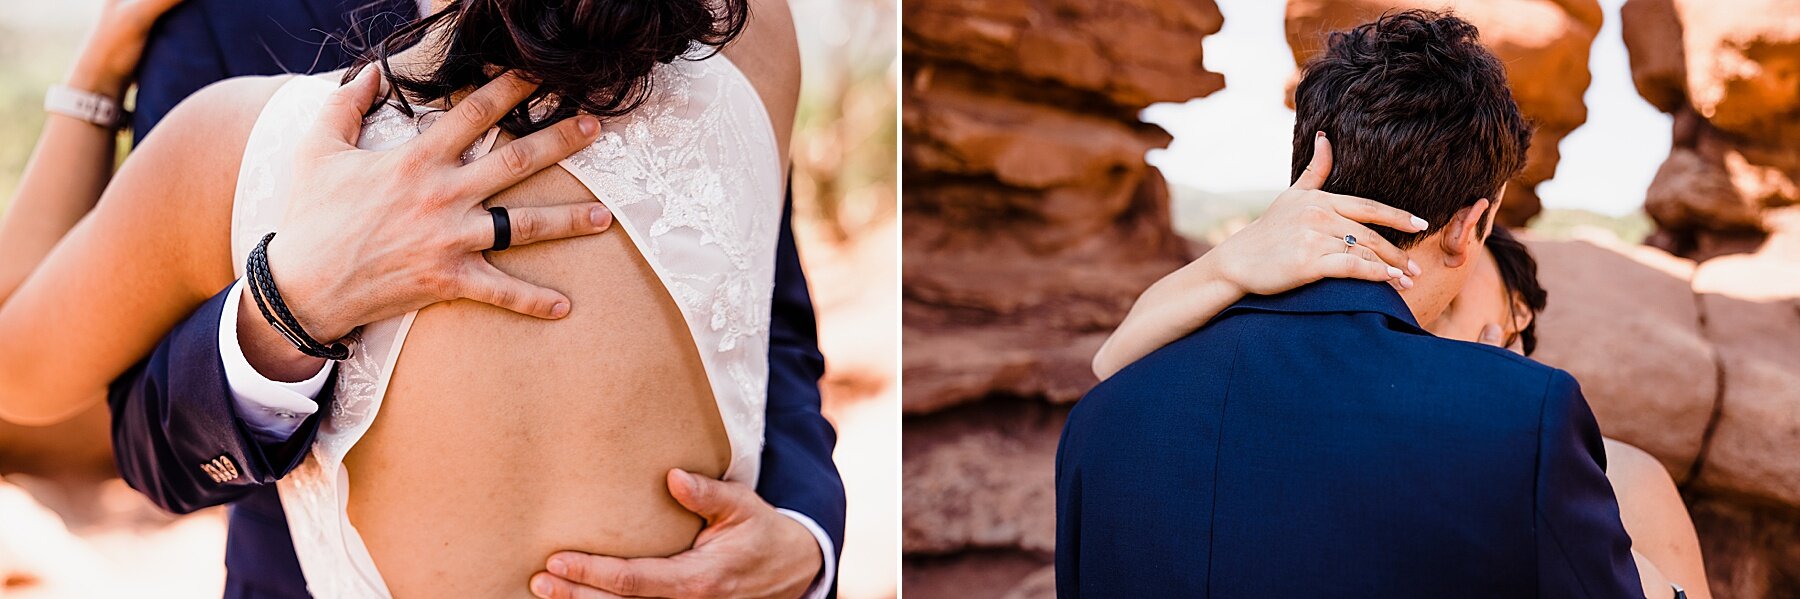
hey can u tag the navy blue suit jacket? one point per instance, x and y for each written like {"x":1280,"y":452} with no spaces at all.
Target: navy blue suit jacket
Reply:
{"x":173,"y":412}
{"x":1319,"y":443}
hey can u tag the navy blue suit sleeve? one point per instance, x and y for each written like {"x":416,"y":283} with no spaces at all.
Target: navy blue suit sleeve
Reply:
{"x":1068,"y":518}
{"x":181,"y":56}
{"x":797,"y":471}
{"x":1583,"y":550}
{"x":175,"y":430}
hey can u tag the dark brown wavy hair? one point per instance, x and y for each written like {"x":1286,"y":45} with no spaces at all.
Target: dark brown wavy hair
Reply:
{"x":587,"y":56}
{"x":1419,"y":115}
{"x":1519,"y":275}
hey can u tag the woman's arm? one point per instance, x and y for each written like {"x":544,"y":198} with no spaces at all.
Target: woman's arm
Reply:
{"x":1662,"y":533}
{"x":156,"y":246}
{"x":74,"y":158}
{"x":1300,"y":239}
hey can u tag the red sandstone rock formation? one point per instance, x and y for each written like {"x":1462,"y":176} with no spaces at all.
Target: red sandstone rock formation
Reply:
{"x":1699,"y":364}
{"x":1729,"y":72}
{"x":1031,"y":222}
{"x":1544,"y":44}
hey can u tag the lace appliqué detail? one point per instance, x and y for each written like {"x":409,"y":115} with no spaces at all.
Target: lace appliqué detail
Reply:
{"x":661,"y":170}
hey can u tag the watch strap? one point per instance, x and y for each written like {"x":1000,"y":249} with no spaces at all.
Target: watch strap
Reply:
{"x":85,"y":105}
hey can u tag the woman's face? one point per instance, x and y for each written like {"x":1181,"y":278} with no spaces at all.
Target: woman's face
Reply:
{"x":1484,"y":300}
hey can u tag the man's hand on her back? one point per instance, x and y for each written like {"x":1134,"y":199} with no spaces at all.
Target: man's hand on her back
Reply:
{"x":747,"y":549}
{"x":369,"y":235}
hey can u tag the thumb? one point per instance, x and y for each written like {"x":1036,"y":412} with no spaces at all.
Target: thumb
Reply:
{"x":489,"y":285}
{"x":1320,"y":167}
{"x":713,"y":499}
{"x":1490,"y":335}
{"x":340,"y":120}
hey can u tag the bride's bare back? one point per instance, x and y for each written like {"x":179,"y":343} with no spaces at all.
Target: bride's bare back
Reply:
{"x":503,"y":438}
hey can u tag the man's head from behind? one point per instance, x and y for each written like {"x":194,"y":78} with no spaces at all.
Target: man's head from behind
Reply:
{"x":1420,"y":117}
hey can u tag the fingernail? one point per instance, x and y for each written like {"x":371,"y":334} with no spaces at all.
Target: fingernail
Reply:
{"x":601,"y":216}
{"x":688,"y":478}
{"x":587,"y":124}
{"x":1319,"y":134}
{"x":1406,"y":282}
{"x":559,"y":567}
{"x":1394,"y":273}
{"x":1420,"y":224}
{"x":540,"y":586}
{"x":559,"y":310}
{"x":1413,"y":267}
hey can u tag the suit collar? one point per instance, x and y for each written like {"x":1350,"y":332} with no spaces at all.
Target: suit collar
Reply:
{"x":1335,"y":295}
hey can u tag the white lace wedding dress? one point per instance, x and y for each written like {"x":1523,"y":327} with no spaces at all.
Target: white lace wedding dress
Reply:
{"x":693,"y":175}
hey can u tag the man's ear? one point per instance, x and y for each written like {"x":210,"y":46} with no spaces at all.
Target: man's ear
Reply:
{"x":1462,"y":238}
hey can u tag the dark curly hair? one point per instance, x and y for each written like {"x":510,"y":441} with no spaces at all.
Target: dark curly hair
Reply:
{"x":1419,"y":116}
{"x":1519,"y":275}
{"x":587,"y":56}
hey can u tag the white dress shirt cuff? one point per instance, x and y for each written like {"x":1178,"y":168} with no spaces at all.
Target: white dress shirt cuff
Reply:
{"x":828,"y":573}
{"x":272,"y":409}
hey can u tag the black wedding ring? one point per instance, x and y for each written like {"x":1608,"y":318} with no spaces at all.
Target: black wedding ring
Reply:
{"x":502,"y":229}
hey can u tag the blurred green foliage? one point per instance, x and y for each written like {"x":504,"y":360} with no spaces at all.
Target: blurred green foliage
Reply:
{"x":846,"y":137}
{"x":22,"y":84}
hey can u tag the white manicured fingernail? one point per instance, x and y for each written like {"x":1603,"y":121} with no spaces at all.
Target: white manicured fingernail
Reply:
{"x":1394,"y":273}
{"x":1413,"y":268}
{"x":1406,"y":282}
{"x":1420,"y":224}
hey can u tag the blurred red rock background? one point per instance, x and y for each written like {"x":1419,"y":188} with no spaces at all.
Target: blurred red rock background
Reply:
{"x":1032,"y":221}
{"x":70,"y":528}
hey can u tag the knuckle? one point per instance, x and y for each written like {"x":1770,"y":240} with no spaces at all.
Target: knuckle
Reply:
{"x":578,"y":218}
{"x":526,"y":226}
{"x":438,"y":283}
{"x":1340,"y":264}
{"x":515,"y":159}
{"x":624,"y":581}
{"x":1371,"y":208}
{"x":410,"y":166}
{"x":1314,"y":213}
{"x":504,"y":296}
{"x":568,"y":135}
{"x":479,"y":109}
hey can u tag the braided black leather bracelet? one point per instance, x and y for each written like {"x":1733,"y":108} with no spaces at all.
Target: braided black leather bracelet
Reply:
{"x":274,"y":310}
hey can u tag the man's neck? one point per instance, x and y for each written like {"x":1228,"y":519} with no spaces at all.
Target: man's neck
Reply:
{"x":1433,"y":289}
